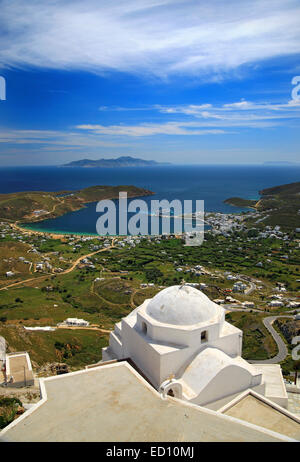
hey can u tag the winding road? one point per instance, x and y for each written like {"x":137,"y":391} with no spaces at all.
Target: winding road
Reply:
{"x":267,"y":321}
{"x":282,"y":348}
{"x":250,"y":289}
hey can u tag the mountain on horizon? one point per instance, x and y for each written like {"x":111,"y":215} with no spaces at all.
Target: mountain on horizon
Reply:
{"x":124,"y":161}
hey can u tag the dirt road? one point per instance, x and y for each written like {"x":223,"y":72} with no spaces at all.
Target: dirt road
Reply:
{"x":63,"y":272}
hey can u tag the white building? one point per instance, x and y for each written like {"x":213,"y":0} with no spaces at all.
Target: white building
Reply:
{"x":181,"y":342}
{"x":9,"y":274}
{"x":76,"y":322}
{"x":293,"y":304}
{"x":230,"y":277}
{"x":239,"y":286}
{"x":275,"y":303}
{"x":2,"y":349}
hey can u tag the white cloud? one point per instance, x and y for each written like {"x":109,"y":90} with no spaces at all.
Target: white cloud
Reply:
{"x":239,"y":105}
{"x":204,"y":119}
{"x":169,"y":128}
{"x":239,"y":114}
{"x":160,"y":37}
{"x":191,"y":109}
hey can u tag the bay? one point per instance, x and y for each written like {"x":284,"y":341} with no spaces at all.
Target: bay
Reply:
{"x":211,"y":183}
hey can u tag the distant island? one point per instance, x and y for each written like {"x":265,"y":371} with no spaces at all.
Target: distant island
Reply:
{"x":125,"y":161}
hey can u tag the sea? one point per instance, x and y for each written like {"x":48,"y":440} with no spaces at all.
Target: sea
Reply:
{"x":210,"y":183}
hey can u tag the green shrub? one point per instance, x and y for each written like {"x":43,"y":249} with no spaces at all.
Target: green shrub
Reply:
{"x":8,"y":410}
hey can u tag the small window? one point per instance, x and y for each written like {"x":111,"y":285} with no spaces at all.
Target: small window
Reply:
{"x":204,"y":336}
{"x":144,"y":327}
{"x":171,"y":393}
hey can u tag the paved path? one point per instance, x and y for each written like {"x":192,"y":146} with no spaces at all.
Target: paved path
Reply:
{"x":268,"y":321}
{"x":250,"y":289}
{"x":282,"y":349}
{"x":106,"y":331}
{"x":235,"y":307}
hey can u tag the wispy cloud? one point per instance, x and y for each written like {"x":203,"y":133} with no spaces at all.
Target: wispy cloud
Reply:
{"x":239,"y":114}
{"x":124,"y":109}
{"x":291,"y":108}
{"x":48,"y":139}
{"x":169,"y":128}
{"x":203,"y":119}
{"x":158,"y":37}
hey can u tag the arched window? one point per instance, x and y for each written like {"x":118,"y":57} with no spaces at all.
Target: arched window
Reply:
{"x":171,"y":393}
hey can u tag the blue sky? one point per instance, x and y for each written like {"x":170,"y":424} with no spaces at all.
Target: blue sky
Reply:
{"x":178,"y":81}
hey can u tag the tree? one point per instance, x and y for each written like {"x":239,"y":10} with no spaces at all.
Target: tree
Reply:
{"x":296,"y":369}
{"x":153,"y":274}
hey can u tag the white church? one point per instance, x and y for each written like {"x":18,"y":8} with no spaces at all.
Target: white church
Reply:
{"x":179,"y":340}
{"x":173,"y":371}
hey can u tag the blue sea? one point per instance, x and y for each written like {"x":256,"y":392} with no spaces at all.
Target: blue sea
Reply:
{"x":211,"y":183}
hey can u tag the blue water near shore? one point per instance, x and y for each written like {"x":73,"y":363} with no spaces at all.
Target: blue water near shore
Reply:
{"x":211,"y":183}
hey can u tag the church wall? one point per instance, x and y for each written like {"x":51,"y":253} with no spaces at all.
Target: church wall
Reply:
{"x":177,"y":335}
{"x":176,"y":362}
{"x":173,"y":363}
{"x":107,"y":354}
{"x":232,"y":379}
{"x":136,"y":347}
{"x":162,"y":333}
{"x":229,"y":344}
{"x":281,"y":401}
{"x":116,"y":345}
{"x":170,"y":336}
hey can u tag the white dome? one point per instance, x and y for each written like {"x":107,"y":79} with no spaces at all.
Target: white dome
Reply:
{"x":182,"y":306}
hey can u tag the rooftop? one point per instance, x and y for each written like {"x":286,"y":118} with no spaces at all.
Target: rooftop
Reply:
{"x":114,"y":403}
{"x":254,"y":409}
{"x":182,"y":306}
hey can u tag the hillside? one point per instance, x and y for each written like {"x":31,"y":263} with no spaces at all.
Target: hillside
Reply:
{"x":40,"y":205}
{"x":125,"y":161}
{"x":239,"y":202}
{"x":107,"y":283}
{"x":279,"y":205}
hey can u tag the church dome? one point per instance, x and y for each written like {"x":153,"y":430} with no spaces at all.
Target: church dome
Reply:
{"x":182,"y":306}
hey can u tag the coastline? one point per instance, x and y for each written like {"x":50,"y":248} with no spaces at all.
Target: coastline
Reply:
{"x":25,"y":226}
{"x":58,"y":234}
{"x":278,"y":196}
{"x":242,"y":202}
{"x":53,"y":234}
